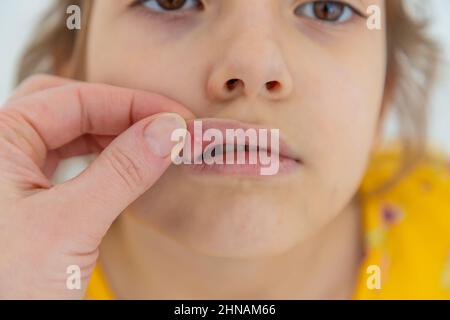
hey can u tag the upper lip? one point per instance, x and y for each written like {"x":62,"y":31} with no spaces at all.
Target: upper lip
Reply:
{"x":283,"y":149}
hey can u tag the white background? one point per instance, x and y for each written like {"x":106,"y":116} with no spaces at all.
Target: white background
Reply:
{"x":18,"y":18}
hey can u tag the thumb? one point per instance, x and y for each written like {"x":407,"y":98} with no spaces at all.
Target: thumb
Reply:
{"x":128,"y":167}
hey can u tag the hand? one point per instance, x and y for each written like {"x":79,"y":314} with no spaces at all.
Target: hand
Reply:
{"x":46,"y":228}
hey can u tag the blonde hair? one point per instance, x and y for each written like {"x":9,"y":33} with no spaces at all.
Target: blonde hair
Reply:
{"x":412,"y":64}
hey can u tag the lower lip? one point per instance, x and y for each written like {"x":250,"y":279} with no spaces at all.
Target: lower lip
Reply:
{"x":286,"y":166}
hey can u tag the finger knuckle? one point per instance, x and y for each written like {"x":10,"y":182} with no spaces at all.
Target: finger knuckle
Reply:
{"x":10,"y":124}
{"x":126,"y":169}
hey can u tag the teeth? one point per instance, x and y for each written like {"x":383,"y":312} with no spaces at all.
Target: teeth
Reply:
{"x":240,"y":148}
{"x":252,"y":148}
{"x":211,"y":152}
{"x":218,"y":150}
{"x":221,"y":149}
{"x":228,"y":148}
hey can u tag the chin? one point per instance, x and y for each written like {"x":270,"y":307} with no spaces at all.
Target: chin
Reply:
{"x":241,"y":229}
{"x":240,"y":220}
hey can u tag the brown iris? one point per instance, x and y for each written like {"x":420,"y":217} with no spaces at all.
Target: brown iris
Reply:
{"x":171,"y":4}
{"x":328,"y":10}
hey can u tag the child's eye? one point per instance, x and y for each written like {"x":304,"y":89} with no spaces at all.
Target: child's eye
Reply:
{"x":327,"y":11}
{"x":170,"y":5}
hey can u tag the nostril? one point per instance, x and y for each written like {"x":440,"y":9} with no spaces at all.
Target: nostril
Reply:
{"x":232,"y":84}
{"x":273,"y":85}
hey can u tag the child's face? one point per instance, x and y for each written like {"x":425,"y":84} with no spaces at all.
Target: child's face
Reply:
{"x":327,"y":106}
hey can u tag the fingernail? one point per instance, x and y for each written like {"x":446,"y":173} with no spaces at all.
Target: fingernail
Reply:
{"x":158,"y":133}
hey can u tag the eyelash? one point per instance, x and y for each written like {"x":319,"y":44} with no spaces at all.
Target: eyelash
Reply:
{"x":347,"y":9}
{"x":158,"y":10}
{"x":308,"y":7}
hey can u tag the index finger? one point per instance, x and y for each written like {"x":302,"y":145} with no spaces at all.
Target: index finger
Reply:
{"x":38,"y":82}
{"x":49,"y":119}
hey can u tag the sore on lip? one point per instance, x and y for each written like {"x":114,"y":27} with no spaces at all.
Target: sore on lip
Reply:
{"x":232,"y":145}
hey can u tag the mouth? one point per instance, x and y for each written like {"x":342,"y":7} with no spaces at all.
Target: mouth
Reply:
{"x":229,"y":147}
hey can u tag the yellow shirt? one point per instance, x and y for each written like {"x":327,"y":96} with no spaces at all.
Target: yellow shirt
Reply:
{"x":407,"y":233}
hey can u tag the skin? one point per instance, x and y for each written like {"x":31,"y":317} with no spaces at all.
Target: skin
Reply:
{"x":189,"y":236}
{"x":49,"y":227}
{"x":221,"y":229}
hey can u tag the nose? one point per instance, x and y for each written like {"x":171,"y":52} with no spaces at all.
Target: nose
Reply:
{"x":250,"y":65}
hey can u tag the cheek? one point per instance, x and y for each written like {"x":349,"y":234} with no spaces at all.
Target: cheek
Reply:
{"x":343,"y":102}
{"x":107,"y":61}
{"x":129,"y":53}
{"x":347,"y":111}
